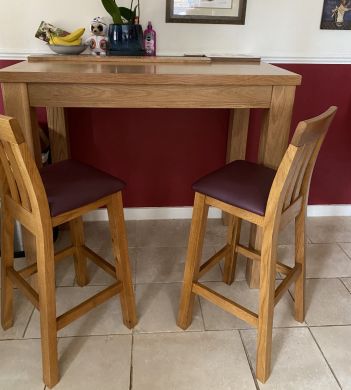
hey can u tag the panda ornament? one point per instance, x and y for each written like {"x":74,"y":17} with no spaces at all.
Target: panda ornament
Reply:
{"x":98,"y":41}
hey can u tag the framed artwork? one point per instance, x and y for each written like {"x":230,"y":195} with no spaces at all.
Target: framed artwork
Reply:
{"x":206,"y":11}
{"x":336,"y":15}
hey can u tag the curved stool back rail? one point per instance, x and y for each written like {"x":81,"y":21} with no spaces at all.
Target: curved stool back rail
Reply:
{"x":41,"y":200}
{"x":269,"y":199}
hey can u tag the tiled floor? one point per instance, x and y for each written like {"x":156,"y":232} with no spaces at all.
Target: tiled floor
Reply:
{"x":218,"y":351}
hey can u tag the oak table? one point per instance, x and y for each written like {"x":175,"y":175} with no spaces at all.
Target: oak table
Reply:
{"x":57,"y":82}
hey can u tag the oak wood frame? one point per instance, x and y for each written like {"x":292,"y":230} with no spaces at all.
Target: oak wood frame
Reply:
{"x":287,"y":201}
{"x":23,"y":198}
{"x":57,"y":82}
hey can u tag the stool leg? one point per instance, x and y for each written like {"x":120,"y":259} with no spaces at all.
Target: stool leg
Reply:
{"x":80,"y":261}
{"x":266,"y":307}
{"x":196,"y":238}
{"x":120,"y":248}
{"x":47,"y":306}
{"x":233,"y":238}
{"x":7,"y":249}
{"x":300,"y":250}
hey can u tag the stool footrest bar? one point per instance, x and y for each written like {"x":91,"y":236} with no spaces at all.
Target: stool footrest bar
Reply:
{"x":216,"y":258}
{"x":81,"y":309}
{"x":24,"y":286}
{"x":285,"y":284}
{"x":99,"y":261}
{"x":226,"y":304}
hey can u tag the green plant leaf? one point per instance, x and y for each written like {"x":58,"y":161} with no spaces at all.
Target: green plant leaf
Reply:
{"x":112,"y":8}
{"x":127,"y":14}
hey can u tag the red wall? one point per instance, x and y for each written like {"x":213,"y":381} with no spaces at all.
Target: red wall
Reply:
{"x":159,"y":153}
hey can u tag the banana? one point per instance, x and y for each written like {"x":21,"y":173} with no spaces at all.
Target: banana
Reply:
{"x":74,"y":35}
{"x":62,"y":42}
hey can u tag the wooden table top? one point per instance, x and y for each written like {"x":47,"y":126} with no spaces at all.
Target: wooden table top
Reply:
{"x":143,"y":70}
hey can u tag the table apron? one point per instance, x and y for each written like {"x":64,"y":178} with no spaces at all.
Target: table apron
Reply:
{"x":148,"y":96}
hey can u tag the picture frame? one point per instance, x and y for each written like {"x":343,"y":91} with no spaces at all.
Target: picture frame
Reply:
{"x":206,"y":11}
{"x":336,"y":15}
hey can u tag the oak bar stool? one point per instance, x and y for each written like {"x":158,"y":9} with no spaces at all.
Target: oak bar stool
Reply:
{"x":269,"y":199}
{"x":41,"y":200}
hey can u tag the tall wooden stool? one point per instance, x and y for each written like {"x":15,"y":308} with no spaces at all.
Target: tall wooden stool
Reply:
{"x":270,"y":199}
{"x":41,"y":200}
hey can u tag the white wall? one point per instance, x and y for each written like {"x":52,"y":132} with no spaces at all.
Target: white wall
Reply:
{"x":280,"y":30}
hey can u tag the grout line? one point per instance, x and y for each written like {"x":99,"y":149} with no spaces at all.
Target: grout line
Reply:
{"x":338,"y":244}
{"x":180,"y":332}
{"x":30,"y":317}
{"x":131,"y":364}
{"x":249,"y":361}
{"x":328,"y":326}
{"x":202,"y":314}
{"x":344,"y":285}
{"x":330,"y":368}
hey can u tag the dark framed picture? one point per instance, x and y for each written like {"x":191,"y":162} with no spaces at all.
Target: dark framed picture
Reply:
{"x":336,"y":15}
{"x":206,"y":11}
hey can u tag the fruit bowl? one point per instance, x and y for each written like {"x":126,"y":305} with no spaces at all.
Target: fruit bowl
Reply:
{"x":72,"y":49}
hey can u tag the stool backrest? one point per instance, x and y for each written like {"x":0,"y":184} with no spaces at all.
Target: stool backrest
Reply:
{"x":293,"y":177}
{"x":20,"y":178}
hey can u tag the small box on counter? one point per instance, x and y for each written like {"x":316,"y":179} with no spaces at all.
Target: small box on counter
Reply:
{"x":46,"y":30}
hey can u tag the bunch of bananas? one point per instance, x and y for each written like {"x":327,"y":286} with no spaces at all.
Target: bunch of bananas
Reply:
{"x":72,"y":39}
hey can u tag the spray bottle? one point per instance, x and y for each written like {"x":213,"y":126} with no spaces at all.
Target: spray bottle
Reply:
{"x":150,"y":40}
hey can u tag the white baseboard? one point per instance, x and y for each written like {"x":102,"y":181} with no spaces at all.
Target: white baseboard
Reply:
{"x":143,"y":213}
{"x":329,"y":210}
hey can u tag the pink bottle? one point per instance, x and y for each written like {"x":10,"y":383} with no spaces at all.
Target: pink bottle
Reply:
{"x":150,"y":40}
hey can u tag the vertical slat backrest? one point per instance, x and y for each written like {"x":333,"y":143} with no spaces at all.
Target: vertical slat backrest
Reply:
{"x":23,"y":178}
{"x":314,"y":135}
{"x":294,"y":173}
{"x":23,"y":193}
{"x":8,"y":180}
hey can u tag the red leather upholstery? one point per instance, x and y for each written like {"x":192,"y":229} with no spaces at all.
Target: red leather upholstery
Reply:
{"x":70,"y":184}
{"x":240,"y":183}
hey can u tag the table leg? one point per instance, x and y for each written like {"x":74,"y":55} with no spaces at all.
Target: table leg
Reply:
{"x":16,"y":104}
{"x":58,"y":134}
{"x":273,"y":143}
{"x":237,"y":139}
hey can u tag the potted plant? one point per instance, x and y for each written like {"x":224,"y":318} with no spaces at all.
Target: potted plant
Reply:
{"x":125,"y":35}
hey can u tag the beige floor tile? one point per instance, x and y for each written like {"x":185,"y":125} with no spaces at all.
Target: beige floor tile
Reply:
{"x":98,"y":277}
{"x":297,"y":363}
{"x":333,"y":340}
{"x":240,"y":271}
{"x":287,"y":235}
{"x":217,"y":319}
{"x":98,"y":233}
{"x":346,"y":246}
{"x":157,"y":307}
{"x":22,"y":310}
{"x":327,"y":302}
{"x":216,"y":232}
{"x":329,"y":229}
{"x":97,"y":236}
{"x":164,"y":265}
{"x":64,"y":269}
{"x":91,"y":363}
{"x":20,"y":365}
{"x":322,"y":260}
{"x":102,"y":320}
{"x":193,"y":360}
{"x":347,"y":283}
{"x":65,"y":273}
{"x":161,"y":233}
